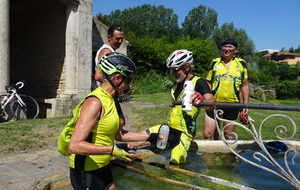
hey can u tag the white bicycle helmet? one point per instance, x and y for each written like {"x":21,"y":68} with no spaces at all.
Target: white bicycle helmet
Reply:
{"x":179,"y":58}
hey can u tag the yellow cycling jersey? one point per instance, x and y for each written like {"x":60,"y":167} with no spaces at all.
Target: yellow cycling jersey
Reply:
{"x":226,"y":82}
{"x":182,"y":120}
{"x":103,"y":134}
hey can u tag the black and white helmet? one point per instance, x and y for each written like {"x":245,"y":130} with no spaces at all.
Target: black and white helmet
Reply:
{"x":179,"y":58}
{"x":117,"y":62}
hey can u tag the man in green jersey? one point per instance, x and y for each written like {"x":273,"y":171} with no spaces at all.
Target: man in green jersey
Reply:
{"x":228,"y":80}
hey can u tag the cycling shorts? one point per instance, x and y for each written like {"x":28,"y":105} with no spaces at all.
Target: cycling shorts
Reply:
{"x":92,"y":180}
{"x":229,"y":113}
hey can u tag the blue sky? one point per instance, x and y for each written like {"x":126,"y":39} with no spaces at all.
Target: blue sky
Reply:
{"x":270,"y":24}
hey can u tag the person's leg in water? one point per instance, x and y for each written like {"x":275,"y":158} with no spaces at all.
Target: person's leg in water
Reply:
{"x":180,"y":145}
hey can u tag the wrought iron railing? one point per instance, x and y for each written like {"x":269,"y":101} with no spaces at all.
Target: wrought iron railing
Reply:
{"x":284,"y":173}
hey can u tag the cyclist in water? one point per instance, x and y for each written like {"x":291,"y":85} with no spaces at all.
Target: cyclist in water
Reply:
{"x":183,"y":123}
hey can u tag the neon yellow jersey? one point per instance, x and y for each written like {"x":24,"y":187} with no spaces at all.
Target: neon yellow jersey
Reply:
{"x":226,"y":82}
{"x":103,"y":134}
{"x":178,"y":118}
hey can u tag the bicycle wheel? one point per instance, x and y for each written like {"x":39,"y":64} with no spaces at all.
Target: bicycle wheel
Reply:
{"x":30,"y":110}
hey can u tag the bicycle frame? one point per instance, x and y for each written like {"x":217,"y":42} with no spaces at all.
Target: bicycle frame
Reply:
{"x":13,"y":94}
{"x":10,"y":97}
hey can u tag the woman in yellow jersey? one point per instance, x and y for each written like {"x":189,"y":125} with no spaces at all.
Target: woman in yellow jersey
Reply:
{"x":92,"y":142}
{"x":228,"y":79}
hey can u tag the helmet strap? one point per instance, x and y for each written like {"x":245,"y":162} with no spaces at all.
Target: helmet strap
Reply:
{"x":113,"y":85}
{"x":185,"y":72}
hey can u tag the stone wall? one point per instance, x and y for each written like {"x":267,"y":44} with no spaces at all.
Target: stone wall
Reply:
{"x":52,"y":46}
{"x":37,"y":46}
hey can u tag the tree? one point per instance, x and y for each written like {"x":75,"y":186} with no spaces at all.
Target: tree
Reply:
{"x":100,"y":17}
{"x":291,"y":50}
{"x":203,"y":53}
{"x":246,"y":45}
{"x":297,"y":50}
{"x":155,"y":21}
{"x":200,"y":22}
{"x":150,"y":54}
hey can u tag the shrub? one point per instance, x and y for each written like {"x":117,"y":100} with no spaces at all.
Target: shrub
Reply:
{"x":270,"y":94}
{"x":152,"y":83}
{"x":288,"y":90}
{"x":259,"y":94}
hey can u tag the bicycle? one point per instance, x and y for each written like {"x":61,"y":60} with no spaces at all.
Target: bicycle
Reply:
{"x":21,"y":106}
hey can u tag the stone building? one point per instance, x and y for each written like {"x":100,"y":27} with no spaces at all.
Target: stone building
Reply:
{"x":51,"y":45}
{"x":284,"y":57}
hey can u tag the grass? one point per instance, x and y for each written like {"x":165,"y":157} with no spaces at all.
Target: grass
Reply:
{"x":153,"y":116}
{"x":16,"y":136}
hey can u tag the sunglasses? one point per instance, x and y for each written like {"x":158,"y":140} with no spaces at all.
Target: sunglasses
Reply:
{"x":119,"y":29}
{"x":228,"y":47}
{"x":175,"y":69}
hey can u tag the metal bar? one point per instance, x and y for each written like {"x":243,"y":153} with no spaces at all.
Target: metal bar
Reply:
{"x":243,"y":105}
{"x":197,"y":175}
{"x":166,"y":180}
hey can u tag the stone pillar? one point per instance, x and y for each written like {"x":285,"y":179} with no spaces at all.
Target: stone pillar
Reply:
{"x":71,"y":57}
{"x":85,"y":51}
{"x":78,"y":58}
{"x":4,"y":45}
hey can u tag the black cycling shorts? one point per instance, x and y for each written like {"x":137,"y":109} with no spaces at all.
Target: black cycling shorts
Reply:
{"x":229,"y":113}
{"x":92,"y":180}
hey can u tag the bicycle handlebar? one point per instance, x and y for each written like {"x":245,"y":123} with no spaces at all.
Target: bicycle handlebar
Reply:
{"x":19,"y":85}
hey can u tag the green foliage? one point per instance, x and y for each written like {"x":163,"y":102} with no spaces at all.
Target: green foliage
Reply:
{"x":288,"y":90}
{"x":152,"y":82}
{"x":203,"y":53}
{"x":246,"y":45}
{"x":267,"y":72}
{"x":200,"y":22}
{"x":153,"y":34}
{"x":259,"y":94}
{"x":151,"y":54}
{"x":288,"y":72}
{"x":21,"y":135}
{"x":148,"y":53}
{"x":270,"y":94}
{"x":155,"y":21}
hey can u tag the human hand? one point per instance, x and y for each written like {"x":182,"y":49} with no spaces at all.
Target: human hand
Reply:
{"x":153,"y":138}
{"x":128,"y":147}
{"x":121,"y":154}
{"x":244,"y":118}
{"x":196,"y":98}
{"x":128,"y":91}
{"x":245,"y":111}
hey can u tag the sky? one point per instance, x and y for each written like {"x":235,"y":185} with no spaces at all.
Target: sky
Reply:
{"x":270,"y":24}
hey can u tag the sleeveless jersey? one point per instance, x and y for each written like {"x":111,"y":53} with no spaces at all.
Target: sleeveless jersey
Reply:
{"x":103,"y":134}
{"x":226,"y":82}
{"x":183,"y":120}
{"x":104,"y":46}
